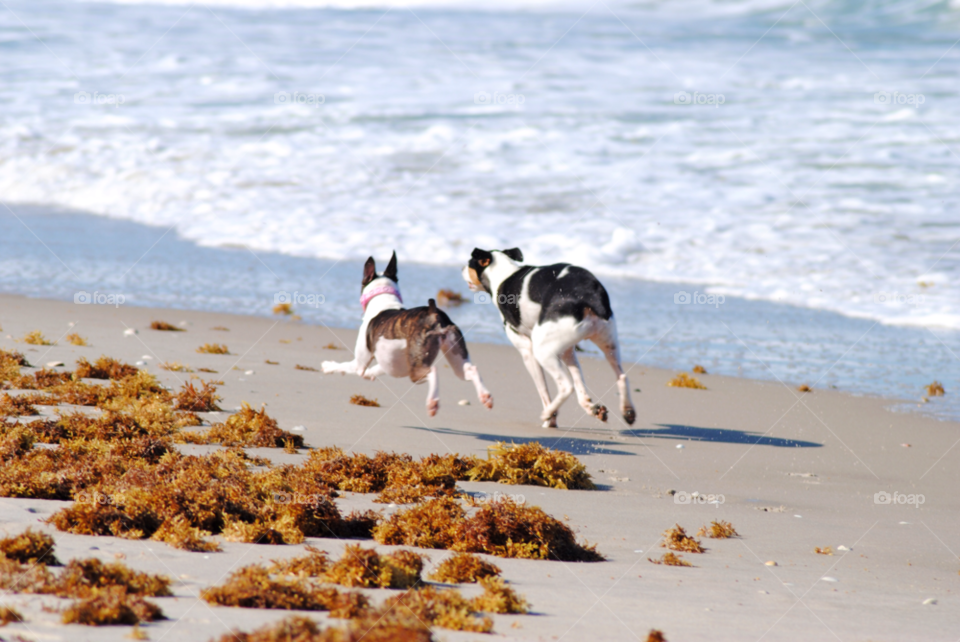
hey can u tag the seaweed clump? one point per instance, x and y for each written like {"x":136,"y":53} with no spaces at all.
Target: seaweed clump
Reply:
{"x":497,"y":597}
{"x":372,"y":628}
{"x":29,"y":547}
{"x":203,"y":400}
{"x":447,"y":609}
{"x":213,"y":348}
{"x":360,"y":400}
{"x":252,"y":587}
{"x":683,"y":380}
{"x":676,"y":539}
{"x":365,"y":568}
{"x":10,"y":364}
{"x":165,"y":327}
{"x":75,"y":339}
{"x":112,"y":606}
{"x":18,"y":406}
{"x":718,"y":530}
{"x":103,"y":368}
{"x":9,"y":614}
{"x":503,"y":528}
{"x":669,"y":559}
{"x":36,"y":338}
{"x":532,"y":464}
{"x":464,"y":568}
{"x":247,"y":428}
{"x":935,"y":389}
{"x":397,"y":477}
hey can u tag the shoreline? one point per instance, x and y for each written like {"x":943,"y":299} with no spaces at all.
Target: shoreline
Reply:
{"x":796,"y":471}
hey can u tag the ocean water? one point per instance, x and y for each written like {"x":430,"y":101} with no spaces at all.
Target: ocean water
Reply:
{"x":799,"y":159}
{"x":63,"y":254}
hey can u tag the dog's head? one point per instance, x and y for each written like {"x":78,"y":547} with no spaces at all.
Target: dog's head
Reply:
{"x":374,"y":284}
{"x":483,"y":262}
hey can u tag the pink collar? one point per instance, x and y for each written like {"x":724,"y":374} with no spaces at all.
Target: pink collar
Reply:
{"x":383,"y":289}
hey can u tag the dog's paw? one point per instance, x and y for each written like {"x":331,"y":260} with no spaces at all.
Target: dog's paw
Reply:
{"x":369,"y":377}
{"x":599,"y":411}
{"x":329,"y":366}
{"x":487,"y":400}
{"x":432,"y":407}
{"x":630,"y":416}
{"x":550,"y":422}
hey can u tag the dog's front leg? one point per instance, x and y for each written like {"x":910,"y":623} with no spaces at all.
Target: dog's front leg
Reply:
{"x":525,"y":347}
{"x":433,"y":395}
{"x":344,"y":367}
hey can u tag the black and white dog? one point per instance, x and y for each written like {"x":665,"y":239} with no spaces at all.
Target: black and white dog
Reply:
{"x":405,"y":343}
{"x":546,"y":312}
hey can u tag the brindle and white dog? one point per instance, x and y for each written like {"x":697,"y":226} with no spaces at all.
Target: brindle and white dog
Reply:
{"x":405,"y":342}
{"x":546,"y":312}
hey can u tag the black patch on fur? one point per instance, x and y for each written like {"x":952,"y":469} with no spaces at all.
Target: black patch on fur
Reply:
{"x":391,"y":271}
{"x":479,"y":261}
{"x":571,"y":296}
{"x":515,"y":254}
{"x":424,"y":328}
{"x":508,"y":296}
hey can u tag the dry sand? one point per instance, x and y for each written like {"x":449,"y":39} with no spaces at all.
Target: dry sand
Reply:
{"x":796,"y":471}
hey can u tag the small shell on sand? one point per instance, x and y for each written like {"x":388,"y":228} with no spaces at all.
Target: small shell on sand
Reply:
{"x":842,"y":548}
{"x":929,"y":601}
{"x":679,"y":446}
{"x":54,"y":364}
{"x":298,"y":428}
{"x":129,"y":332}
{"x":828,"y":579}
{"x":146,"y":357}
{"x":249,"y":372}
{"x":770,"y":563}
{"x":463,"y":402}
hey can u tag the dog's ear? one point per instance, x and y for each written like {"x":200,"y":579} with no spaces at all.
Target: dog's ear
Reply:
{"x":515,"y":254}
{"x":482,"y":258}
{"x":391,"y":271}
{"x":369,"y":272}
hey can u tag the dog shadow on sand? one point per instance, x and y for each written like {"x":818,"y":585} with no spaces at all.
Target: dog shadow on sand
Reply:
{"x":572,"y":445}
{"x":716,"y":435}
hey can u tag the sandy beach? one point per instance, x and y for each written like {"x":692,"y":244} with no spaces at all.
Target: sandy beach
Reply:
{"x":792,"y":471}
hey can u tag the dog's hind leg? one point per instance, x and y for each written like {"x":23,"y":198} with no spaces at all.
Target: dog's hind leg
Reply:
{"x":455,"y":350}
{"x":606,"y":340}
{"x":525,"y":347}
{"x":433,"y":394}
{"x":597,"y":409}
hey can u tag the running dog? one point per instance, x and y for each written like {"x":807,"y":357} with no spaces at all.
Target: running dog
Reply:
{"x":405,"y":342}
{"x":546,"y":312}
